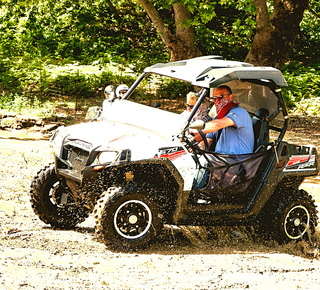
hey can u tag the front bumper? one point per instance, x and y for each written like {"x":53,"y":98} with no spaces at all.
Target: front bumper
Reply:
{"x":79,"y":160}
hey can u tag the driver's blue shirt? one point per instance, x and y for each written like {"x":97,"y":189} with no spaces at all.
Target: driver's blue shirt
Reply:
{"x":236,"y":140}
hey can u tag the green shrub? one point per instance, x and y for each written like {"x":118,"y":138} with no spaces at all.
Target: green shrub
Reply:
{"x":83,"y":81}
{"x":307,"y":107}
{"x":303,"y":84}
{"x":173,"y":89}
{"x":21,"y":81}
{"x":9,"y":81}
{"x":23,"y":105}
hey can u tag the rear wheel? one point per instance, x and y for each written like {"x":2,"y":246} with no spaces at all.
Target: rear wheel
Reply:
{"x":53,"y":202}
{"x":127,"y":218}
{"x":294,"y":217}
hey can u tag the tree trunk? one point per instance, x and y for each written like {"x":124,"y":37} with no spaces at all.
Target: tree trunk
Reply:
{"x":181,"y":44}
{"x":184,"y":46}
{"x":275,"y":33}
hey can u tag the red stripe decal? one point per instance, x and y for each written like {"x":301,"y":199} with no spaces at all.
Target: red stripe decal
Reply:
{"x":294,"y":160}
{"x":172,"y":156}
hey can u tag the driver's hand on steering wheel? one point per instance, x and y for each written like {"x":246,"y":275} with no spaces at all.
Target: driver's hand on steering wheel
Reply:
{"x":197,"y":135}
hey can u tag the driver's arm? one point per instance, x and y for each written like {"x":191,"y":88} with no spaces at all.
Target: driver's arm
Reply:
{"x":214,"y":126}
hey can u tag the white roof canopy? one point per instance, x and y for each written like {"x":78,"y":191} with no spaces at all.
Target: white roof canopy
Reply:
{"x":211,"y":71}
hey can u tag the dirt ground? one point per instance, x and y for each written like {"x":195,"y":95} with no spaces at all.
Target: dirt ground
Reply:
{"x":35,"y":256}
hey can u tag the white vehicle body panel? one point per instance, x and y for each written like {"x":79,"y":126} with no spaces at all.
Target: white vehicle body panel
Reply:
{"x":186,"y":165}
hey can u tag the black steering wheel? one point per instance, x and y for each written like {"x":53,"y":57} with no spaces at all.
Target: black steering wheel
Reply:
{"x":206,"y":144}
{"x":195,"y":145}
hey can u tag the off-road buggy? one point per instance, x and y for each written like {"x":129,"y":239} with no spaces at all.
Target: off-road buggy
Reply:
{"x":135,"y":168}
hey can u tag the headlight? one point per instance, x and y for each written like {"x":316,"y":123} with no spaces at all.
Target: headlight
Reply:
{"x":56,"y":142}
{"x":107,"y":156}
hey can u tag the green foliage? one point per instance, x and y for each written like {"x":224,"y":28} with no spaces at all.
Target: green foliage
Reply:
{"x":38,"y":39}
{"x":172,"y":89}
{"x":79,"y":83}
{"x":23,"y":105}
{"x":306,"y":47}
{"x":307,"y":107}
{"x":230,"y":30}
{"x":85,"y":31}
{"x":84,"y":80}
{"x":303,"y":84}
{"x":89,"y":31}
{"x":8,"y":80}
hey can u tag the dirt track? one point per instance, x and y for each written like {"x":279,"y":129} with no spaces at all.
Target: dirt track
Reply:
{"x":34,"y":256}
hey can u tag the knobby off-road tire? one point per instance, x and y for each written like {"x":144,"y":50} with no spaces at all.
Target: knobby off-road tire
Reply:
{"x":293,"y":218}
{"x":45,"y":197}
{"x":127,"y":219}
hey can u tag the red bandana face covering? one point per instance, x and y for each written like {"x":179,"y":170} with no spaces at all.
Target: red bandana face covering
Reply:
{"x":223,"y":106}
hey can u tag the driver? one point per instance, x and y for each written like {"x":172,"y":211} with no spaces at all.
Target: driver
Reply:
{"x":236,"y":132}
{"x":236,"y":135}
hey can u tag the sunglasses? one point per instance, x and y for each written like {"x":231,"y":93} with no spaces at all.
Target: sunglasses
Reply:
{"x":122,"y":92}
{"x":219,"y":97}
{"x":190,"y":106}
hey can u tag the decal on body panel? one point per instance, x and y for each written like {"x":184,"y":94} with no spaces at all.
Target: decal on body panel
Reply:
{"x":301,"y":162}
{"x":171,"y":152}
{"x":182,"y":160}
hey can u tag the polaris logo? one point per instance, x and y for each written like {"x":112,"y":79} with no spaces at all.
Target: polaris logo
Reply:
{"x":301,"y":162}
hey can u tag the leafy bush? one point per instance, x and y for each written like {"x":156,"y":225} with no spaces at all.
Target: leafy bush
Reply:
{"x":83,"y":81}
{"x":173,"y":89}
{"x":71,"y":80}
{"x":303,"y":84}
{"x":23,"y":105}
{"x":307,"y":107}
{"x":8,"y":80}
{"x":26,"y":85}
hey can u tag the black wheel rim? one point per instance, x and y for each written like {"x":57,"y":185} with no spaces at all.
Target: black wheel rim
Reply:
{"x":297,"y":222}
{"x":132,"y":219}
{"x":55,"y":195}
{"x":57,"y":199}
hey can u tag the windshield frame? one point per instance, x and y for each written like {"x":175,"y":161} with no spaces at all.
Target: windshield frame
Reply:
{"x":275,"y":88}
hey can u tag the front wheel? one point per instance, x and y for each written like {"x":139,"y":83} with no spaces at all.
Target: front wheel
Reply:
{"x":127,"y":218}
{"x":53,"y":202}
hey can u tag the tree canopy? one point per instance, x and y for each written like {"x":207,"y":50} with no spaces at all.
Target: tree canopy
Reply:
{"x":143,"y":32}
{"x":138,"y":33}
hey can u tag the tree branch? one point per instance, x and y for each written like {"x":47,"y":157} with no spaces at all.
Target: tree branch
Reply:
{"x":263,"y":18}
{"x":181,"y":43}
{"x":125,"y":11}
{"x":182,"y":14}
{"x":159,"y":24}
{"x":312,"y":11}
{"x":185,"y":33}
{"x":132,"y":12}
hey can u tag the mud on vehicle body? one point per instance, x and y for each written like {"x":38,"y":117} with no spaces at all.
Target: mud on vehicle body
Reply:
{"x":135,"y":170}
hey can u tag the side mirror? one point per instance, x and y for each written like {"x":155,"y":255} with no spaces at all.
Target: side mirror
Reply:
{"x":93,"y":114}
{"x":198,"y":125}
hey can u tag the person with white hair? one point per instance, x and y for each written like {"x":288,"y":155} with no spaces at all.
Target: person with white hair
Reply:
{"x":109,"y":92}
{"x":202,"y":112}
